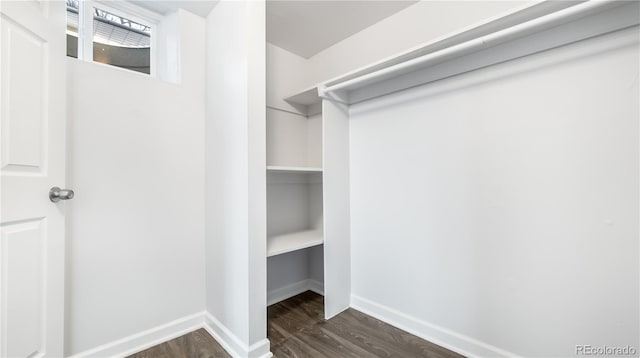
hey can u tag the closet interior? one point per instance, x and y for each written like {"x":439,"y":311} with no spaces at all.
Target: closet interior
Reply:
{"x":295,"y":224}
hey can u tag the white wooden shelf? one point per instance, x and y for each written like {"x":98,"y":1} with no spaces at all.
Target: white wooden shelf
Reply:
{"x":306,"y":97}
{"x":281,"y":244}
{"x":307,"y":101}
{"x":301,"y":170}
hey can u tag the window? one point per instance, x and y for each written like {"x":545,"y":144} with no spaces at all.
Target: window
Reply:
{"x":72,"y":28}
{"x":115,"y":38}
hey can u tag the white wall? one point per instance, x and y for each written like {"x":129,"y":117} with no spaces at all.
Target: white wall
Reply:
{"x":287,"y":139}
{"x":294,"y":203}
{"x":235,"y":172}
{"x":293,"y":140}
{"x":286,"y":74}
{"x":136,"y":224}
{"x":497,"y":211}
{"x":286,"y":269}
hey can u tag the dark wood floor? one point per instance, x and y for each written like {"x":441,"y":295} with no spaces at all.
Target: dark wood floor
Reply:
{"x":197,"y":344}
{"x":296,"y":328}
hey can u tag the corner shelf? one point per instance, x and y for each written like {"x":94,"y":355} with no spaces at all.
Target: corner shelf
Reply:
{"x":307,"y":101}
{"x":283,"y":169}
{"x":307,"y":97}
{"x":299,"y":240}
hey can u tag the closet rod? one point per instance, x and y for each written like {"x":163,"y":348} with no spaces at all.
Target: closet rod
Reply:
{"x":520,"y":30}
{"x":284,"y":110}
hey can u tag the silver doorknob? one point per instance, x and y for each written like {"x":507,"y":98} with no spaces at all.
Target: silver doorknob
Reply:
{"x":56,"y":194}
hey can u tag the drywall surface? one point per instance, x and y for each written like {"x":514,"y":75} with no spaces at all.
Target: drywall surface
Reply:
{"x":235,"y":170}
{"x":287,"y":139}
{"x":136,"y":225}
{"x":287,"y":269}
{"x":292,"y":204}
{"x":293,"y":140}
{"x":289,"y":274}
{"x":316,"y":264}
{"x":256,"y":49}
{"x":496,"y":212}
{"x":286,"y":73}
{"x":314,"y":140}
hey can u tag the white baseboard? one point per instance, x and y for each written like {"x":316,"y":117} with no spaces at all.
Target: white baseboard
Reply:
{"x":316,"y":286}
{"x":232,"y":344}
{"x":282,"y":293}
{"x":441,"y":336}
{"x":145,"y":339}
{"x":168,"y":331}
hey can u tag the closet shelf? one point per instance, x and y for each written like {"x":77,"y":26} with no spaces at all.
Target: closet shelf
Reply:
{"x":308,"y":102}
{"x":283,"y":169}
{"x":545,"y":25}
{"x":306,"y":97}
{"x":281,"y":244}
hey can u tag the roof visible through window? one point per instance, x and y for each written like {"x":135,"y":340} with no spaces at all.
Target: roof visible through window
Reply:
{"x":109,"y":28}
{"x":113,"y":39}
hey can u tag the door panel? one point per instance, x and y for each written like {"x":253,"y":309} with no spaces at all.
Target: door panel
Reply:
{"x":23,"y":291}
{"x":32,"y":160}
{"x":24,"y":56}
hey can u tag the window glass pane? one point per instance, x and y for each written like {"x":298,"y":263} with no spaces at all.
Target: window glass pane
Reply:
{"x":72,"y":28}
{"x":121,"y":42}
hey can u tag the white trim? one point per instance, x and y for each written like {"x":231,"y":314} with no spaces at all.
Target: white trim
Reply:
{"x":316,"y":286}
{"x":231,"y":343}
{"x":132,"y":11}
{"x":146,"y":339}
{"x":85,"y":30}
{"x":441,"y":336}
{"x":282,"y":293}
{"x":140,"y":341}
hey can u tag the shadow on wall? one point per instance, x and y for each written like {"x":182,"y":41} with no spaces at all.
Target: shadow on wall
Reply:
{"x":130,"y":58}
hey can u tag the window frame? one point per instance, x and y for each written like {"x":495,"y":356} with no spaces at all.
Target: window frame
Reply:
{"x":119,"y":8}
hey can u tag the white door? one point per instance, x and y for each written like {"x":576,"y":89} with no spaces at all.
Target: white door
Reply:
{"x":32,"y":151}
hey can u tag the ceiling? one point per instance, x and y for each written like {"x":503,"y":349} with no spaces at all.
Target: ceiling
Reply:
{"x":198,"y":7}
{"x":306,"y":27}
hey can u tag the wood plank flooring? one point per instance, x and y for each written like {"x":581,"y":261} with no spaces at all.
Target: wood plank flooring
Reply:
{"x":197,"y":344}
{"x":297,"y":329}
